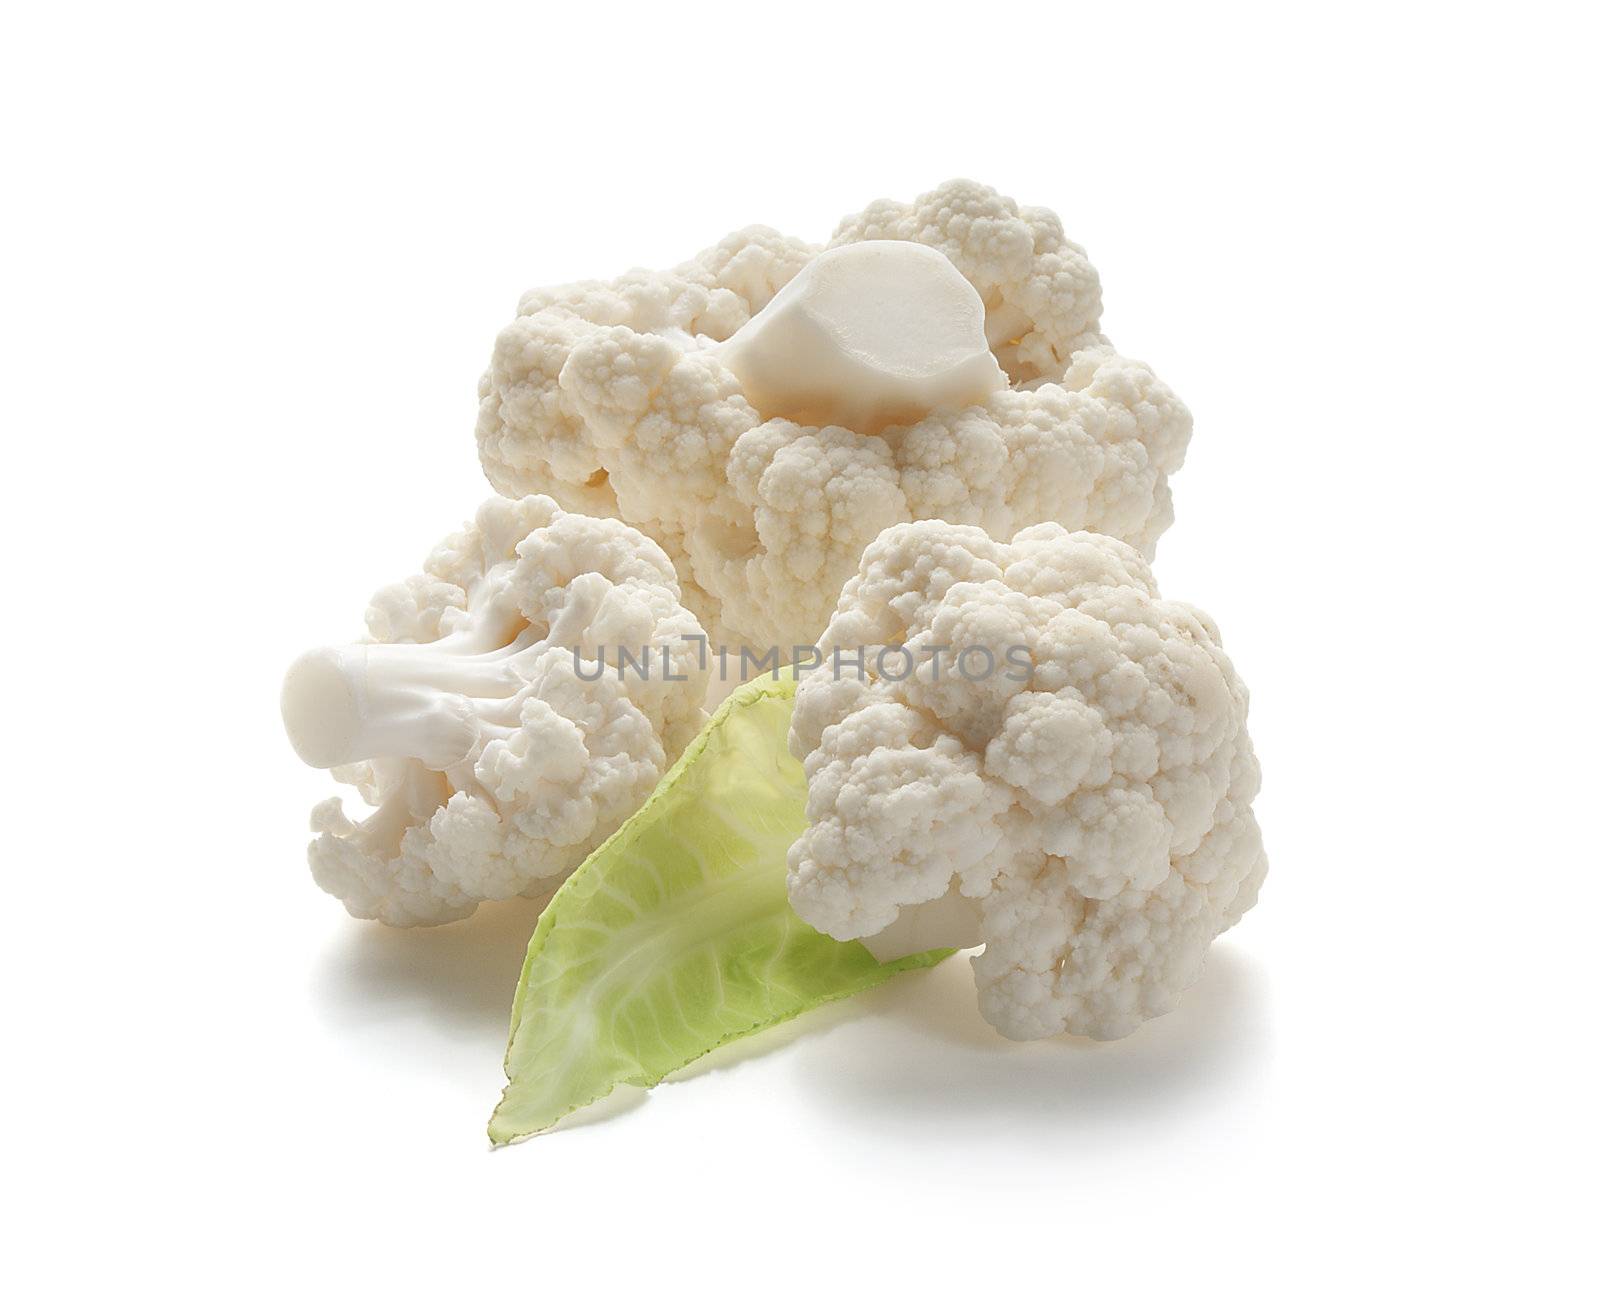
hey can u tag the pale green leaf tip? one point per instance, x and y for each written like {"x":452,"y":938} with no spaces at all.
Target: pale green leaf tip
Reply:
{"x":676,"y":936}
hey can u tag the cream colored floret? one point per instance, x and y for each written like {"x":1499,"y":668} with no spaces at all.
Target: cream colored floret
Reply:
{"x":1084,"y":812}
{"x":618,"y":400}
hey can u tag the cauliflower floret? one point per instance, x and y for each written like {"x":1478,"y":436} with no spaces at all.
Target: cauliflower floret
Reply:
{"x":1041,"y":294}
{"x":509,"y":708}
{"x":1042,"y":755}
{"x":624,"y":399}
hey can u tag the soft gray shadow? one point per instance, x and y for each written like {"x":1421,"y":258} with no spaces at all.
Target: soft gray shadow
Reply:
{"x":929,"y":1058}
{"x":441,"y":998}
{"x":457,"y":979}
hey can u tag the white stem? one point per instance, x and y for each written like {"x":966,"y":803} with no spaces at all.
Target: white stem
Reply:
{"x":868,"y":335}
{"x":368,"y":701}
{"x":950,"y":922}
{"x":426,"y":702}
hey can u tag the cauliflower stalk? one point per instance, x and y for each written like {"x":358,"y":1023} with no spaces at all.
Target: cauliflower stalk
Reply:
{"x":508,"y":709}
{"x":763,"y":437}
{"x":868,"y":336}
{"x":1084,"y":812}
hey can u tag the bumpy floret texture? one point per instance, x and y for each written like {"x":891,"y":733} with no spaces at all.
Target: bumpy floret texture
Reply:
{"x":613,"y":398}
{"x":515,"y":624}
{"x":1068,"y":757}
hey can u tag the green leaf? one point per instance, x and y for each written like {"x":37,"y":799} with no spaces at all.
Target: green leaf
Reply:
{"x":676,"y":935}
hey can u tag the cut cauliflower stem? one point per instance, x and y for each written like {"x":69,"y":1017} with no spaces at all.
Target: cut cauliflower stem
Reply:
{"x":1064,"y":776}
{"x":490,"y":717}
{"x":764,"y":439}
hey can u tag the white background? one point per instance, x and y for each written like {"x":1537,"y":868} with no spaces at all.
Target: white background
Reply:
{"x":254,"y":261}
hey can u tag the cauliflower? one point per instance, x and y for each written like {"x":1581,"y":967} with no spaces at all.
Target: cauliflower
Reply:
{"x":762,"y":444}
{"x":509,"y":708}
{"x":1038,"y":754}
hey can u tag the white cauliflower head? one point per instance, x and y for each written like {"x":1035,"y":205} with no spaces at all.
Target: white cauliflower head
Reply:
{"x":1043,"y":756}
{"x":508,"y":709}
{"x":628,"y":399}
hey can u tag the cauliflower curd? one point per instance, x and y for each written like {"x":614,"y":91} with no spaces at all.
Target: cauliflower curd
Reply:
{"x":628,"y":399}
{"x":906,"y":476}
{"x":1083,"y":811}
{"x":489,"y":716}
